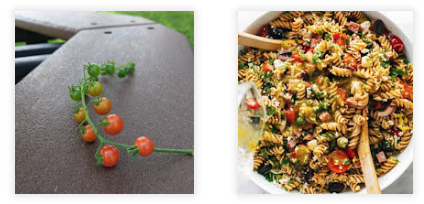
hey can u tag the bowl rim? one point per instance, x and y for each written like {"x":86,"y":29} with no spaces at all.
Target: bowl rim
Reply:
{"x":266,"y":16}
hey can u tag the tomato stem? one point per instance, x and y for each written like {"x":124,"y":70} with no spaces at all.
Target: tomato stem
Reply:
{"x":186,"y":151}
{"x":103,"y":140}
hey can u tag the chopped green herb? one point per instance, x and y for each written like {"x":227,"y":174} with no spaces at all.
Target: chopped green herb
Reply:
{"x":360,"y":34}
{"x":291,"y":181}
{"x":327,"y":36}
{"x":346,"y":162}
{"x":405,"y":61}
{"x":320,"y":31}
{"x":393,"y":86}
{"x":395,"y":72}
{"x":302,"y":57}
{"x":296,"y":41}
{"x":277,"y":176}
{"x":284,"y":161}
{"x":241,"y":65}
{"x":397,"y":161}
{"x":265,"y":154}
{"x":314,"y":59}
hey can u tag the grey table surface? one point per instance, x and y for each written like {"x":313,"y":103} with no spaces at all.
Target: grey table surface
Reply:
{"x":404,"y":184}
{"x":156,"y":100}
{"x":65,"y":24}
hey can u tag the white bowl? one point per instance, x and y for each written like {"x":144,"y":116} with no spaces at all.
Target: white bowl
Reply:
{"x":405,"y":157}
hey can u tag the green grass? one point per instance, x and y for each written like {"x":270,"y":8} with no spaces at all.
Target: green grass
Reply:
{"x":181,"y":21}
{"x":57,"y":40}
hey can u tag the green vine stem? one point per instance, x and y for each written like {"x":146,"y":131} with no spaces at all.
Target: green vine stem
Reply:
{"x":129,"y":148}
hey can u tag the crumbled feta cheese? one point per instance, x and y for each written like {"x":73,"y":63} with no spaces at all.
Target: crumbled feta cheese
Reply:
{"x":390,"y":122}
{"x":366,"y":62}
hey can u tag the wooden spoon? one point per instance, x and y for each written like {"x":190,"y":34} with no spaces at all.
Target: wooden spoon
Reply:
{"x":254,"y":41}
{"x":367,"y":163}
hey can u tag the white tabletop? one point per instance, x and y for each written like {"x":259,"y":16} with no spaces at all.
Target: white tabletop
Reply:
{"x":404,"y":184}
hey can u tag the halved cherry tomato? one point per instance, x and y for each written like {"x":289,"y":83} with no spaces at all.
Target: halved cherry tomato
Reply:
{"x":110,"y":155}
{"x":307,"y":84}
{"x":290,"y":114}
{"x":293,"y":155}
{"x":296,"y":56}
{"x":104,"y":106}
{"x":375,"y":105}
{"x":340,"y":38}
{"x":80,"y":116}
{"x":396,"y":132}
{"x":338,"y":161}
{"x":310,"y":50}
{"x":351,"y":152}
{"x":252,"y":103}
{"x":89,"y":134}
{"x":267,"y":67}
{"x":115,"y":124}
{"x":407,"y":90}
{"x":350,"y":61}
{"x":309,"y":126}
{"x":342,"y":93}
{"x":145,"y":145}
{"x":265,"y":31}
{"x":396,"y":43}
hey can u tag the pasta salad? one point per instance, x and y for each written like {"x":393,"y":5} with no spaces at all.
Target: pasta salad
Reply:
{"x":335,"y":71}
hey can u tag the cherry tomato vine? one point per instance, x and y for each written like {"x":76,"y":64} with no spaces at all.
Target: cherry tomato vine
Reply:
{"x":107,"y":154}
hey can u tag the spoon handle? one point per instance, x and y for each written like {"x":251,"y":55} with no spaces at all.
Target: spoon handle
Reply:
{"x":367,"y":163}
{"x":254,"y":41}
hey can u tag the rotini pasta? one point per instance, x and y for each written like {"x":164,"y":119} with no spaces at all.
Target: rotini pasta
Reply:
{"x":316,"y":93}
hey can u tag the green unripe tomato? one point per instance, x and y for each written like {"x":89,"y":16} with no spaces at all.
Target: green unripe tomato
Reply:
{"x":93,"y":70}
{"x":96,"y":89}
{"x":110,"y":68}
{"x":122,"y":73}
{"x":75,"y":94}
{"x":129,"y":68}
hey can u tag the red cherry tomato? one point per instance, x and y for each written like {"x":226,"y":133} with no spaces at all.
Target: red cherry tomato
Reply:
{"x":115,"y":124}
{"x":252,"y":103}
{"x":265,"y":30}
{"x":340,"y":38}
{"x":104,"y":106}
{"x":110,"y":155}
{"x":296,"y":56}
{"x":145,"y":145}
{"x":310,"y":50}
{"x":407,"y":90}
{"x":376,"y":104}
{"x":342,"y":93}
{"x":396,"y":132}
{"x":337,"y":161}
{"x":89,"y":134}
{"x":350,"y":61}
{"x":290,"y":114}
{"x":293,"y":154}
{"x":351,"y":152}
{"x":396,"y":43}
